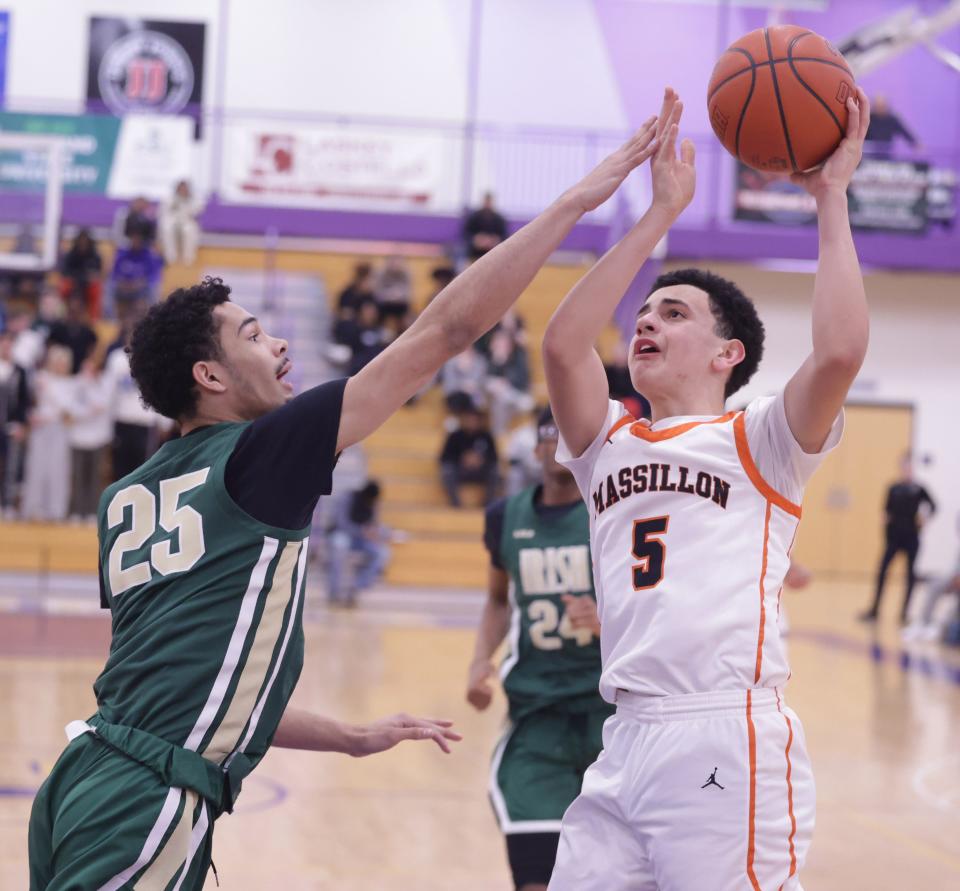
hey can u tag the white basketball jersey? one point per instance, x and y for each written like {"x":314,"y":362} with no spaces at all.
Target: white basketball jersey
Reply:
{"x":690,"y":548}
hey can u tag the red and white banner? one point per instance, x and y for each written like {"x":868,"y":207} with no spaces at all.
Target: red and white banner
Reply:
{"x":339,"y":167}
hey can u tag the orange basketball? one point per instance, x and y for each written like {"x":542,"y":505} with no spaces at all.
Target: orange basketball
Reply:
{"x":778,"y":98}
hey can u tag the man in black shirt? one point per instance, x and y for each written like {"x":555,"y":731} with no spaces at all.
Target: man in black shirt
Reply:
{"x":484,"y":229}
{"x":904,"y":517}
{"x":885,"y":126}
{"x":470,"y":456}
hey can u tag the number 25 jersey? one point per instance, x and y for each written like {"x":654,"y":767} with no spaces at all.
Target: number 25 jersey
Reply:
{"x":690,"y":546}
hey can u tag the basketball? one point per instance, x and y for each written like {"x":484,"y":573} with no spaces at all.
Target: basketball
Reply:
{"x":777,"y":98}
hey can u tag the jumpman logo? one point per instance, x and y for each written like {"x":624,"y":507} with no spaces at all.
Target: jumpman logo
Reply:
{"x":712,"y":781}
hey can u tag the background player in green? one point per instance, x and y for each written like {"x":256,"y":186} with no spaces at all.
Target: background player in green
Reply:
{"x":541,"y":589}
{"x":203,"y":552}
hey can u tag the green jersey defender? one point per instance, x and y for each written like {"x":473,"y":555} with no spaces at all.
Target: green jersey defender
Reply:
{"x":542,"y":600}
{"x":206,"y":600}
{"x":207,"y":646}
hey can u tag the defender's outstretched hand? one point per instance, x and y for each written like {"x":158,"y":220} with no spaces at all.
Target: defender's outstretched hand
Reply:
{"x":674,"y":178}
{"x":839,"y":168}
{"x":598,"y":185}
{"x":387,"y":732}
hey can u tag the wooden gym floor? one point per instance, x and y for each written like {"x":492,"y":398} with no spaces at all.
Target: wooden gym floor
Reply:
{"x":881,"y":722}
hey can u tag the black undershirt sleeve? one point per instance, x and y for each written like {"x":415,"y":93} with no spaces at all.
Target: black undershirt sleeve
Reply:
{"x":493,"y":531}
{"x":283,"y":462}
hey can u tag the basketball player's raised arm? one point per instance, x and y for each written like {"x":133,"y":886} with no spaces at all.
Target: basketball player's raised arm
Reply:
{"x":473,"y":302}
{"x":816,"y":393}
{"x":575,"y":375}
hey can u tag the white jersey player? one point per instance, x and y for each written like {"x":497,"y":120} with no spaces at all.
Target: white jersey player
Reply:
{"x":704,"y":781}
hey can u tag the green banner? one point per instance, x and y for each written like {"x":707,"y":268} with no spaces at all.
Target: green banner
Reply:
{"x":91,"y":144}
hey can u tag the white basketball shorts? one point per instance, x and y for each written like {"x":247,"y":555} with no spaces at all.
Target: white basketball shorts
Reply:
{"x":702,"y":792}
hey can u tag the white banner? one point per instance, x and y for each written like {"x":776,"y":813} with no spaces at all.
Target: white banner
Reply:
{"x":344,"y":167}
{"x":153,"y":153}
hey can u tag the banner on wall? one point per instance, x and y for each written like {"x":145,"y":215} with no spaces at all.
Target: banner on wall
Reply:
{"x":330,"y":166}
{"x":120,"y":158}
{"x":140,"y":65}
{"x":4,"y":38}
{"x":885,"y":195}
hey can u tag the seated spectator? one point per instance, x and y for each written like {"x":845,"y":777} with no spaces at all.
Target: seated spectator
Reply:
{"x":81,"y":272}
{"x":440,"y":276}
{"x":926,"y":626}
{"x":523,"y":466}
{"x":510,"y":322}
{"x":357,"y":533}
{"x":393,"y":288}
{"x":358,"y":290}
{"x":484,"y":229}
{"x":74,"y":331}
{"x":18,"y":283}
{"x":90,"y":432}
{"x":363,"y":334}
{"x":135,"y":277}
{"x":179,"y":229}
{"x":508,"y":381}
{"x":137,"y":218}
{"x":46,"y":485}
{"x":14,"y":406}
{"x":464,"y":381}
{"x":470,"y":456}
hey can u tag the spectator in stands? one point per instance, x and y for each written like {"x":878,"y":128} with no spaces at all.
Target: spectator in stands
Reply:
{"x":508,"y":380}
{"x":484,"y":229}
{"x":470,"y":456}
{"x":179,"y":229}
{"x":464,"y":380}
{"x":884,"y":127}
{"x":357,"y":534}
{"x":358,"y":290}
{"x":21,"y":284}
{"x":136,"y":429}
{"x":46,"y":485}
{"x":135,"y":276}
{"x":440,"y":276}
{"x":29,"y":338}
{"x":393,"y":288}
{"x":138,"y":218}
{"x":81,"y":272}
{"x":363,"y":334}
{"x":90,"y":432}
{"x":513,"y":324}
{"x":926,"y":627}
{"x":74,"y":331}
{"x":523,"y":466}
{"x":907,"y":508}
{"x":14,"y":405}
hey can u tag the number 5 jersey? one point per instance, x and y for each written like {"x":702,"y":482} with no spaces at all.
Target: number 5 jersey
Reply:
{"x":691,"y":526}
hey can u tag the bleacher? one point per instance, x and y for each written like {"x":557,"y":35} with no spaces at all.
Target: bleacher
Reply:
{"x":440,"y":546}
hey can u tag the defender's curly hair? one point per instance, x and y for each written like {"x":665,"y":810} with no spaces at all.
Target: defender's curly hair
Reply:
{"x":167,"y":342}
{"x":735,"y":315}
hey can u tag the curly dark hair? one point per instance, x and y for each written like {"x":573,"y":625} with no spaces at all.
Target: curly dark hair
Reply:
{"x":735,"y":314}
{"x":170,"y":338}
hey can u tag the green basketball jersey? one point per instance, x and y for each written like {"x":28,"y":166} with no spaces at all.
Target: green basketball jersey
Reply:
{"x":550,"y":663}
{"x":206,"y":604}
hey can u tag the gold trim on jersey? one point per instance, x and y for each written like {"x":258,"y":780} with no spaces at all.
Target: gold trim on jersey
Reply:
{"x":258,"y":660}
